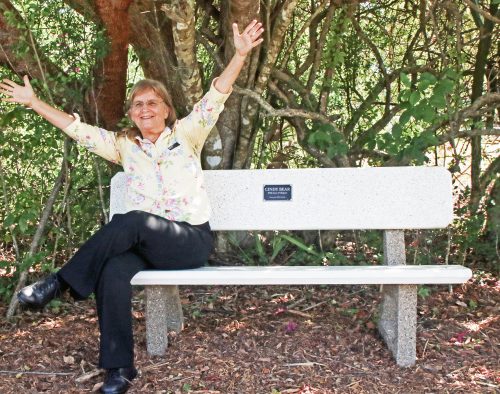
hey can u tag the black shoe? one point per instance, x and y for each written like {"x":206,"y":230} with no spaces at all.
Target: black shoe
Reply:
{"x":118,"y":380}
{"x":40,"y":293}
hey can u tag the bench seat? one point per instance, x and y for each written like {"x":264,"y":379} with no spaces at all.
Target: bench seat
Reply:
{"x":308,"y":275}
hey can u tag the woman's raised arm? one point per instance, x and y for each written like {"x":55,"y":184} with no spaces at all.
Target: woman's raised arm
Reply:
{"x":243,"y":44}
{"x":25,"y":95}
{"x":95,"y":139}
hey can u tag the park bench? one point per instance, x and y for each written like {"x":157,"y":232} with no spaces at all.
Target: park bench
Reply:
{"x":390,"y":199}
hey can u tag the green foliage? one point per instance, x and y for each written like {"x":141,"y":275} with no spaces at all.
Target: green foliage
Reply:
{"x":471,"y":237}
{"x":31,"y":149}
{"x":63,"y":36}
{"x":277,"y":143}
{"x":7,"y":286}
{"x":258,"y":255}
{"x":327,"y":139}
{"x":424,"y":292}
{"x":309,"y":249}
{"x":424,"y":105}
{"x":286,"y":248}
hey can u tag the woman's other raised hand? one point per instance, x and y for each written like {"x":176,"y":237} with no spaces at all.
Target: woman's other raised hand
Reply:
{"x":17,"y":93}
{"x":249,"y":39}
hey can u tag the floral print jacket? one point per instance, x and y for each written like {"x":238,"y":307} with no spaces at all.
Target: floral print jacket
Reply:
{"x":164,"y":178}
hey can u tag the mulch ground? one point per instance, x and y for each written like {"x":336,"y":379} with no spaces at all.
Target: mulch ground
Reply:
{"x":269,"y":340}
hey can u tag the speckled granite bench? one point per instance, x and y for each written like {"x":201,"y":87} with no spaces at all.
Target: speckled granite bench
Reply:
{"x":388,"y":199}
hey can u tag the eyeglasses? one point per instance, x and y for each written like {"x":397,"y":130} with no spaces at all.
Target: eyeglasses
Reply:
{"x":151,"y":104}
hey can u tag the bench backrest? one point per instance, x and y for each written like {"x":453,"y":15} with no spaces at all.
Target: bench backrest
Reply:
{"x":323,"y":198}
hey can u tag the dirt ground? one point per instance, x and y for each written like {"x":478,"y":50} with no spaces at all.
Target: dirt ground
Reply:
{"x":270,"y":340}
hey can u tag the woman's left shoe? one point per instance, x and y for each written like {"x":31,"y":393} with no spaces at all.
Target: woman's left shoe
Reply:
{"x":42,"y":292}
{"x":118,"y":380}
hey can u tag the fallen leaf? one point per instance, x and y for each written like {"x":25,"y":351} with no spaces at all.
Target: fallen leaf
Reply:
{"x":290,"y":327}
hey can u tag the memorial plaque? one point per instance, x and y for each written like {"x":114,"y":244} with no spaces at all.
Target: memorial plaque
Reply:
{"x":277,"y":192}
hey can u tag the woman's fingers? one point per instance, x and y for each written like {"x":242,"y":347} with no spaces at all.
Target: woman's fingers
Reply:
{"x":236,"y":30}
{"x":255,"y":29}
{"x":17,"y":93}
{"x":12,"y":84}
{"x":250,"y":26}
{"x":257,"y":33}
{"x":26,"y":81}
{"x":6,"y":87}
{"x":257,"y":42}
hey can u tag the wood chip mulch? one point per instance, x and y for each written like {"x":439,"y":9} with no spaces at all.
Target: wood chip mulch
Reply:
{"x":270,"y":340}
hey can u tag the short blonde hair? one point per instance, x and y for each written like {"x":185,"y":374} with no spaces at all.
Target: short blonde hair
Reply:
{"x":162,"y":92}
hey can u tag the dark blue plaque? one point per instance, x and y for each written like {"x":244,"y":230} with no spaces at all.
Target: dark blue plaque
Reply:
{"x":277,"y":192}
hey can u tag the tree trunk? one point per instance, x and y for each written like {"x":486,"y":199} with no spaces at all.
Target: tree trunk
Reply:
{"x":110,"y":74}
{"x":249,"y":115}
{"x":229,"y":124}
{"x":153,"y":42}
{"x":183,"y":29}
{"x":480,"y":64}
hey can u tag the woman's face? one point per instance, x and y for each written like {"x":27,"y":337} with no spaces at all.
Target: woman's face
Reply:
{"x":148,"y":111}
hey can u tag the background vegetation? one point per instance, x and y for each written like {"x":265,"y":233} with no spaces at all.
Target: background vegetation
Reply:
{"x":336,"y":83}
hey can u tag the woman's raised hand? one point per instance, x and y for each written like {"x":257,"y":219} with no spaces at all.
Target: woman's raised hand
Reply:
{"x":25,"y":95}
{"x":16,"y":93}
{"x":244,"y":42}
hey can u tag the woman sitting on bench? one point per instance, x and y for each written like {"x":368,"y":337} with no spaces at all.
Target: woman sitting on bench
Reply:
{"x":166,"y":226}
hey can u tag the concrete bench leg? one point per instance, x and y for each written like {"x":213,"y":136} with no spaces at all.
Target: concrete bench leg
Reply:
{"x":398,"y":320}
{"x":163,"y":313}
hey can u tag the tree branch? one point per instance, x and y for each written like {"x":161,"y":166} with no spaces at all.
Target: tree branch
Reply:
{"x":468,"y":133}
{"x":482,"y":105}
{"x":183,"y":28}
{"x":284,"y":112}
{"x":298,"y":36}
{"x":41,"y":225}
{"x":490,"y":173}
{"x":374,"y":93}
{"x":364,"y":137}
{"x":319,"y":49}
{"x":209,"y":8}
{"x":279,"y":29}
{"x":307,"y":97}
{"x":484,"y":13}
{"x":152,"y":38}
{"x":379,"y":59}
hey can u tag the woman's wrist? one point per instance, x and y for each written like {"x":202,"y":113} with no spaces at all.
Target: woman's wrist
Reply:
{"x":33,"y":102}
{"x":238,"y":56}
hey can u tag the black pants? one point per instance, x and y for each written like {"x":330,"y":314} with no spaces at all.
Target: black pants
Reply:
{"x":106,"y":263}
